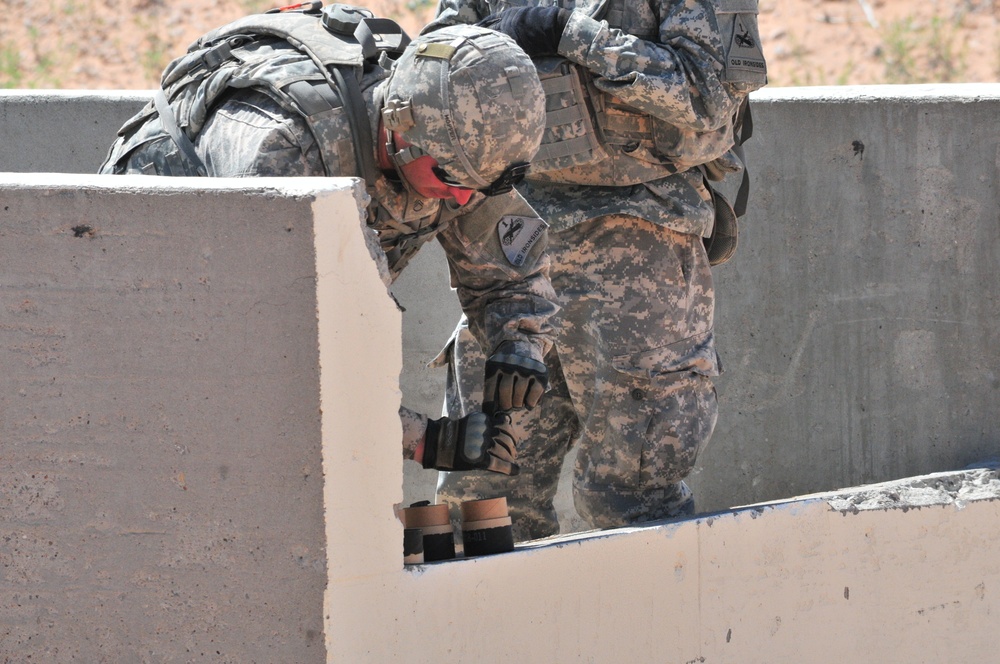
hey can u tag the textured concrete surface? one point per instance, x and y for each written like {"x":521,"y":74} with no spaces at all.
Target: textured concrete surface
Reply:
{"x":201,"y":460}
{"x":857,"y":320}
{"x":161,"y":479}
{"x":61,"y":131}
{"x":856,"y":323}
{"x":882,"y":573}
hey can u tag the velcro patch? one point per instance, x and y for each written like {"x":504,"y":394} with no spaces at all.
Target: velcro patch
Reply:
{"x":518,"y":235}
{"x":745,"y":52}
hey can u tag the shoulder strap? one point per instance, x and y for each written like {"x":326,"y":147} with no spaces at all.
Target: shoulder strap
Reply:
{"x":169,"y":123}
{"x":357,"y":119}
{"x":315,"y":98}
{"x":742,"y":130}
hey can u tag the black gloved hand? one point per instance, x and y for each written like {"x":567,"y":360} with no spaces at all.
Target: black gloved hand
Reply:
{"x":537,"y":30}
{"x":512,"y":381}
{"x":475,"y":442}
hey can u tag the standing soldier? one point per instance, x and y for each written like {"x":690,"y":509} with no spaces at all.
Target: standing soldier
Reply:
{"x":643,"y":103}
{"x":440,"y":136}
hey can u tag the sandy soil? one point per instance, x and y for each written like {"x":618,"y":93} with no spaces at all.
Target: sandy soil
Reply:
{"x":124,"y":44}
{"x":858,"y":42}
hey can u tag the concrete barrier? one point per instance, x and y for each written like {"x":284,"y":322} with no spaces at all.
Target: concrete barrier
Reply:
{"x":161,"y":467}
{"x":899,"y":573}
{"x":61,"y":131}
{"x":200,"y":462}
{"x":856,"y":322}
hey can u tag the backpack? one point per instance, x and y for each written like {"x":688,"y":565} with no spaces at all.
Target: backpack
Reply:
{"x":342,"y":43}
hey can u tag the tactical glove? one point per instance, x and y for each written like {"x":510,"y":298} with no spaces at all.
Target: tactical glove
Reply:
{"x":475,"y":442}
{"x":537,"y":30}
{"x":512,"y":381}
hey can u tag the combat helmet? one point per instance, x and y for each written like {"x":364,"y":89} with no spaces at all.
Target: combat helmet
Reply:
{"x":470,"y":98}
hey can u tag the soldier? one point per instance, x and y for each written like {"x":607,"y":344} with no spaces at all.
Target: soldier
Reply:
{"x":457,"y":116}
{"x":643,"y":100}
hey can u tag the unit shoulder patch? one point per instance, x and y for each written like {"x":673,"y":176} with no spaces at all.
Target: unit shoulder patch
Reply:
{"x":745,"y":52}
{"x":518,"y":235}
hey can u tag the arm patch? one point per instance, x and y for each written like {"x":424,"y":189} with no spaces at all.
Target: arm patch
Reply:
{"x":518,"y":235}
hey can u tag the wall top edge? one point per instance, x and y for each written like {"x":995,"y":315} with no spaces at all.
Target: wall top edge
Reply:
{"x":151,"y":184}
{"x":929,"y":93}
{"x":980,"y":482}
{"x":957,"y":487}
{"x":947,"y":488}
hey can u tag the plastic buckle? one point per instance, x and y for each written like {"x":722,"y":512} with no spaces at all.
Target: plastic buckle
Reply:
{"x":511,"y":176}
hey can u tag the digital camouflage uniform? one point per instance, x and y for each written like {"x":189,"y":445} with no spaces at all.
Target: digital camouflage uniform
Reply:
{"x":631,"y":372}
{"x":243,"y":128}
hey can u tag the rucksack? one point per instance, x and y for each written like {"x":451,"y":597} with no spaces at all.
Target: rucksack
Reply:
{"x":193,"y":83}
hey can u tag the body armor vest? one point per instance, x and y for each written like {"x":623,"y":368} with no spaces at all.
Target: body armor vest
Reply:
{"x":585,"y":126}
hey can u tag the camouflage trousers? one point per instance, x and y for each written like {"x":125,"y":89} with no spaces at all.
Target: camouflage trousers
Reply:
{"x":630,"y":381}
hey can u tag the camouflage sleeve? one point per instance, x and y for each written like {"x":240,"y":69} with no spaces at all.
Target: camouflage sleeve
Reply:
{"x":678,"y":78}
{"x":499,"y":266}
{"x":453,"y":12}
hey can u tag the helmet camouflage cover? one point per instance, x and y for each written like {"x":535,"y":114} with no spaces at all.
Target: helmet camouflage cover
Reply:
{"x":470,"y":98}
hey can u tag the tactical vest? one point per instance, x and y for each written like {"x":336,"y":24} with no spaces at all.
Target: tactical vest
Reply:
{"x":585,"y":127}
{"x":261,"y":51}
{"x":583,"y":124}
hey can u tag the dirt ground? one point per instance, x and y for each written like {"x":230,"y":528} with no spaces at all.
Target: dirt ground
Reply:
{"x":124,"y":44}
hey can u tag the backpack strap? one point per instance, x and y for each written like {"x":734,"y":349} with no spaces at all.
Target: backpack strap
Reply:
{"x":357,"y":118}
{"x":169,"y":123}
{"x":742,"y":130}
{"x":315,"y":98}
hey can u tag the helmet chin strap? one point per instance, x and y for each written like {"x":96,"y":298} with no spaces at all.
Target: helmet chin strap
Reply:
{"x":395,"y":117}
{"x":403,"y":156}
{"x":382,"y":145}
{"x":398,"y":158}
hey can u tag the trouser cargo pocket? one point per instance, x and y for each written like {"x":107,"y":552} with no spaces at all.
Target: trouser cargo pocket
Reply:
{"x":655,"y":427}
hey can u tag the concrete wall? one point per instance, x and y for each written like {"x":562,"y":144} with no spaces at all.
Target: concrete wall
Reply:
{"x":61,"y":131}
{"x":161,"y":471}
{"x":856,"y":322}
{"x":899,"y":574}
{"x":200,"y":461}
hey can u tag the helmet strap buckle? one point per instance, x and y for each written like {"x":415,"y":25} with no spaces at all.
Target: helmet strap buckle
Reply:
{"x":511,"y":176}
{"x":402,"y":156}
{"x":407,"y":154}
{"x":398,"y":115}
